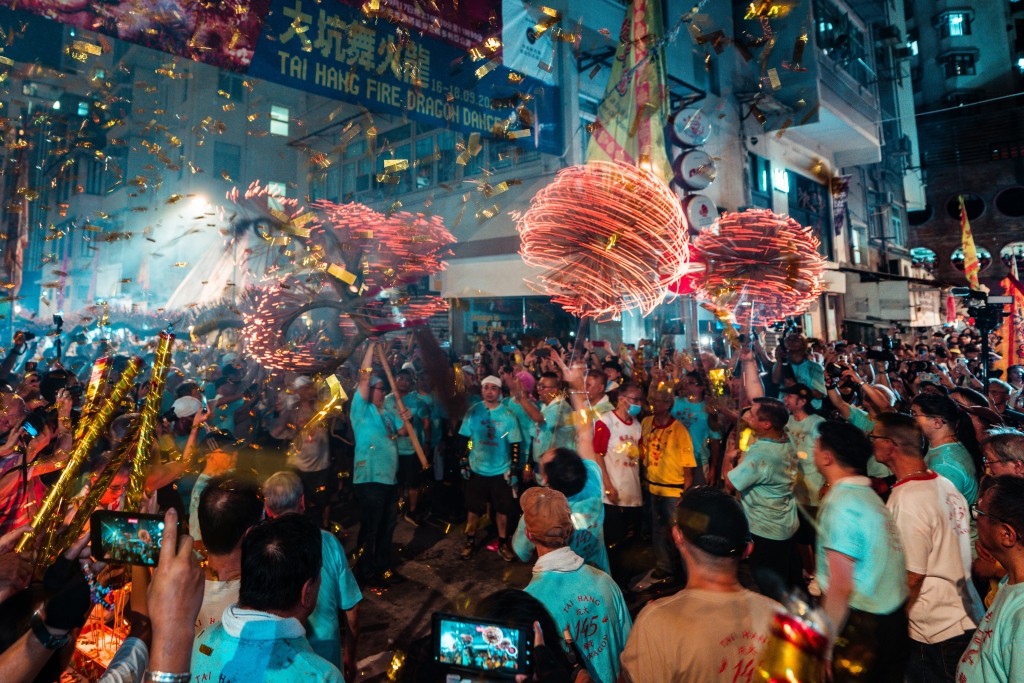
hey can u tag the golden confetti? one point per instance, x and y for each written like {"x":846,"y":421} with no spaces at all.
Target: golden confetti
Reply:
{"x":181,"y":264}
{"x":396,"y":165}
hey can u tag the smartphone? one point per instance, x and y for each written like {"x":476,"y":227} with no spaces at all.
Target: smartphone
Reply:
{"x":500,"y":649}
{"x":30,"y":429}
{"x":600,"y":344}
{"x":508,"y":348}
{"x":31,"y":365}
{"x":551,"y":341}
{"x":928,"y":377}
{"x":206,"y":407}
{"x":126,"y":537}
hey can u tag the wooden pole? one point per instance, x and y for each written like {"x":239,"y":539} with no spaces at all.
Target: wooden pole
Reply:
{"x":401,"y":406}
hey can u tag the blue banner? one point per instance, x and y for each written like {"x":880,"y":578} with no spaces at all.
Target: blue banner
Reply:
{"x":334,"y":50}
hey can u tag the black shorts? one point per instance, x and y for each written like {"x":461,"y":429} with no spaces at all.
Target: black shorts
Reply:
{"x":495,"y":490}
{"x":410,"y":473}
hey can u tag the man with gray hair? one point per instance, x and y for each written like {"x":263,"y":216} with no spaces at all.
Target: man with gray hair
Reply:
{"x":999,"y":393}
{"x":1002,"y":451}
{"x":282,"y":494}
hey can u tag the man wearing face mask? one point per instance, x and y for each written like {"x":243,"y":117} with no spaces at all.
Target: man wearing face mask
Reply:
{"x":616,"y":443}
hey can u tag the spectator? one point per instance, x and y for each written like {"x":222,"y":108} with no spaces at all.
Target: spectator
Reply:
{"x":228,"y":507}
{"x":996,"y":652}
{"x":410,"y":471}
{"x":999,"y":393}
{"x":1003,"y":452}
{"x":339,"y":596}
{"x":802,"y":429}
{"x":714,"y":627}
{"x":942,"y":421}
{"x":691,"y":409}
{"x":262,"y":637}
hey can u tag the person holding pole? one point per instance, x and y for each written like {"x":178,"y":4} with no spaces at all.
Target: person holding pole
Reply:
{"x":375,"y":473}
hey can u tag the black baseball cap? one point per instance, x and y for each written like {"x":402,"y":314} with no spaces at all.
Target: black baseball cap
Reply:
{"x":713,"y":521}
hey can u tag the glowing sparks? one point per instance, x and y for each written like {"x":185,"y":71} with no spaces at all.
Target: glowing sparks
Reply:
{"x":609,"y":237}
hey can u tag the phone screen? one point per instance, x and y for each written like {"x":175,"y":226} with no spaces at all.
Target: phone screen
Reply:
{"x":30,"y":429}
{"x":126,"y":537}
{"x":481,"y":645}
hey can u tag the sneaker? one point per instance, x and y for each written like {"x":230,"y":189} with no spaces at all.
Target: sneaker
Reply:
{"x":649,"y":580}
{"x":409,"y":519}
{"x":468,"y":548}
{"x":505,"y":552}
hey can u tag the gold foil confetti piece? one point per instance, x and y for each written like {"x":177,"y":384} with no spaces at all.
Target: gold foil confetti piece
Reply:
{"x":395,"y":165}
{"x":773,"y":78}
{"x":387,"y":179}
{"x":87,"y":47}
{"x":181,"y":264}
{"x":486,"y":69}
{"x":759,"y":115}
{"x":488,"y":213}
{"x":341,"y":273}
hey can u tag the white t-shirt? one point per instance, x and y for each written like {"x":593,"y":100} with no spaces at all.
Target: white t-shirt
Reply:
{"x":933,"y":521}
{"x":620,"y":443}
{"x":217,"y":596}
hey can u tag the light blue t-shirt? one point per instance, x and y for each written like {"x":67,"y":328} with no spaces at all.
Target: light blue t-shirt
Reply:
{"x":436,"y":415}
{"x":803,"y":434}
{"x":694,"y":417}
{"x":376,"y":453}
{"x":557,"y":430}
{"x":338,"y":591}
{"x":953,"y":461}
{"x":587,"y":602}
{"x":996,"y":652}
{"x":492,"y":433}
{"x":854,"y":521}
{"x":588,"y":519}
{"x":418,"y":410}
{"x":253,"y":647}
{"x":811,"y":375}
{"x":765,"y":479}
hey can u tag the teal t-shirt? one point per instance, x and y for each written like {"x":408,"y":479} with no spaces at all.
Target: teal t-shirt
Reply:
{"x":853,"y":521}
{"x":436,"y":415}
{"x":953,"y":461}
{"x":419,"y":411}
{"x":224,"y":415}
{"x":338,"y":591}
{"x":803,"y":434}
{"x":557,"y":430}
{"x":996,"y":652}
{"x":765,"y":479}
{"x":587,"y":602}
{"x":264,"y":649}
{"x":694,"y":417}
{"x":376,"y":454}
{"x":812,"y":375}
{"x":588,"y":519}
{"x":492,"y":433}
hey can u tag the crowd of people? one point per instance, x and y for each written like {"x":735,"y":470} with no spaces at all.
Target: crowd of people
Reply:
{"x":669,"y":501}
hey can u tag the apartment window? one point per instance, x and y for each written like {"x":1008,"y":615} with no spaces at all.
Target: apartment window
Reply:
{"x":809,"y":205}
{"x":279,"y":117}
{"x":958,"y":64}
{"x":760,"y":182}
{"x":230,"y":86}
{"x":896,"y":230}
{"x":955,"y":24}
{"x":227,"y":158}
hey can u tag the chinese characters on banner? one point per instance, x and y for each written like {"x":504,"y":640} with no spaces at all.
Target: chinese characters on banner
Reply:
{"x":330,"y":49}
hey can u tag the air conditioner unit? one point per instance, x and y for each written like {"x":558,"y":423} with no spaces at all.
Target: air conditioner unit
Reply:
{"x":902,"y":53}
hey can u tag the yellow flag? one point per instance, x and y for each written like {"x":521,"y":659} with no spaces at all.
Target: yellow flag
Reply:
{"x":630,"y":124}
{"x":971,"y":266}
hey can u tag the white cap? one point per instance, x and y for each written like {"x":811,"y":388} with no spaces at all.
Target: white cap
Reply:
{"x":490,"y":379}
{"x":186,"y":406}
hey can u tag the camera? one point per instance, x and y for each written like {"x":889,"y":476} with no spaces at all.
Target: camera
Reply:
{"x":834,"y":370}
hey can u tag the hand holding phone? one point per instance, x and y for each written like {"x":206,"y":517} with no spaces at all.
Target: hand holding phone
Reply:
{"x":126,"y":537}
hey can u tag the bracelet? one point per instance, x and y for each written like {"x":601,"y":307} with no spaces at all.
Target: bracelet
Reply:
{"x":47,"y":639}
{"x":167,"y":677}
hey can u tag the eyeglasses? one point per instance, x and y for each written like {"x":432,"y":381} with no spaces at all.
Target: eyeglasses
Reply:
{"x":635,"y":400}
{"x":878,"y":437}
{"x":992,"y":461}
{"x":977,"y":512}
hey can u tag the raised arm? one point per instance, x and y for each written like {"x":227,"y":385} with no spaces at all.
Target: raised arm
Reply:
{"x":581,"y":411}
{"x":365,"y":370}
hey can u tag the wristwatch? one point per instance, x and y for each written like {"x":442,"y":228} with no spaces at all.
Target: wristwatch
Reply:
{"x":47,"y":639}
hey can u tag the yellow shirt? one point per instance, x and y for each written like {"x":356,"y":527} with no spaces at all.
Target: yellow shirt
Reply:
{"x":667,"y":452}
